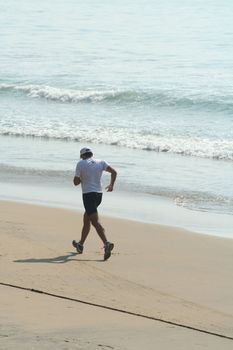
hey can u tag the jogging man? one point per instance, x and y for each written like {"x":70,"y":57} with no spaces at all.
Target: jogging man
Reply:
{"x":88,"y":173}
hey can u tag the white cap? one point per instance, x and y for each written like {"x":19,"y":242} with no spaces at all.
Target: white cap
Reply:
{"x":85,"y":150}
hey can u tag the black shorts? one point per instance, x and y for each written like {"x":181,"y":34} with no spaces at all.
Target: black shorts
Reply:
{"x":91,"y":201}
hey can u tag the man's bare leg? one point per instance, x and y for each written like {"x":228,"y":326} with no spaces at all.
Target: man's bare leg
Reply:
{"x":86,"y":228}
{"x":94,"y":219}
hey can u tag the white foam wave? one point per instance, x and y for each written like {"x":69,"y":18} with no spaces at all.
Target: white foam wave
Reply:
{"x":62,"y":95}
{"x":204,"y":148}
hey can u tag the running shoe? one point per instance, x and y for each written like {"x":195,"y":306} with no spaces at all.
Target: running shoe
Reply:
{"x":108,"y":247}
{"x":78,"y":246}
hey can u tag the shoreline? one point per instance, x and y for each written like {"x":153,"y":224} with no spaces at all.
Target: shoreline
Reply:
{"x":182,"y":193}
{"x":144,"y":208}
{"x":158,"y":271}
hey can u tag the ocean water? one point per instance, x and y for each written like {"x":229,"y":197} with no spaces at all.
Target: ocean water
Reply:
{"x":146,"y":84}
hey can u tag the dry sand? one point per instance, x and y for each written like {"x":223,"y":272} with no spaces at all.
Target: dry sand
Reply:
{"x":154,"y":270}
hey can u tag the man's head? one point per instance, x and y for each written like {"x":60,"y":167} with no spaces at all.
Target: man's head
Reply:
{"x":86,"y":153}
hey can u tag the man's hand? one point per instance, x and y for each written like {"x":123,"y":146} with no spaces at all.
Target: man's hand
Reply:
{"x":76,"y":181}
{"x":113,"y":173}
{"x":109,"y":188}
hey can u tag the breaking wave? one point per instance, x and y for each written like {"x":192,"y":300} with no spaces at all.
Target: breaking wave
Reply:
{"x":162,"y":98}
{"x":202,"y":148}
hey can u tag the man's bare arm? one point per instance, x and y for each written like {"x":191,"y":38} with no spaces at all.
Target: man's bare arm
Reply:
{"x":113,"y":173}
{"x":76,"y":181}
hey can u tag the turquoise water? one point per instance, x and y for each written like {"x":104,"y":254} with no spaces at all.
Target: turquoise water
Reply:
{"x":147,"y":84}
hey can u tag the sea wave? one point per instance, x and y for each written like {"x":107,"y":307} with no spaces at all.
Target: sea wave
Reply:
{"x":6,"y":169}
{"x":195,"y":200}
{"x":204,"y":201}
{"x":68,"y":95}
{"x":160,"y":98}
{"x":184,"y":146}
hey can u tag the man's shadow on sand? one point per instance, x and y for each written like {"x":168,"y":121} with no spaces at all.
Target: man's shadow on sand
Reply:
{"x":56,"y":260}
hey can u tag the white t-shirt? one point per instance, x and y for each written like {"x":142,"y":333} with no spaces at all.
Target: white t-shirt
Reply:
{"x":90,"y":171}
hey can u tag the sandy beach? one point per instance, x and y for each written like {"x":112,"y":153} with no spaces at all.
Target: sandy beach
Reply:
{"x":156,"y":271}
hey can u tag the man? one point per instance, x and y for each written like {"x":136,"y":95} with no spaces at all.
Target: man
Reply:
{"x":88,"y":173}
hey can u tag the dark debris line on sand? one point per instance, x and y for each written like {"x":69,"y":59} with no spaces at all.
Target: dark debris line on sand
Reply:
{"x":118,"y":310}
